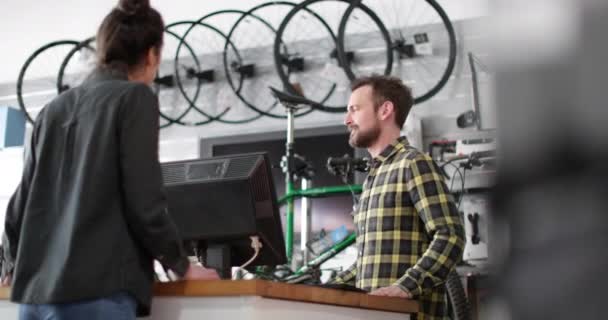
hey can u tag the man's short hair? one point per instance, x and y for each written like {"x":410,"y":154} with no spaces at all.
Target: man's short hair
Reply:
{"x":387,"y":88}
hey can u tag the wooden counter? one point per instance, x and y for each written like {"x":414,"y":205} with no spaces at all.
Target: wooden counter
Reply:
{"x":267,"y":295}
{"x":278,"y":290}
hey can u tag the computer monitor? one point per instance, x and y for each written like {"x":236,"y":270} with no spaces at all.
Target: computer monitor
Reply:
{"x":218,"y":203}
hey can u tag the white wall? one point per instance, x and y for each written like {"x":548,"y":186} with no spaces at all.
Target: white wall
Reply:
{"x":11,"y":165}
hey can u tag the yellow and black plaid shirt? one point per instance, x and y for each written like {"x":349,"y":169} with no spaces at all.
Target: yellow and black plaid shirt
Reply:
{"x":409,"y":231}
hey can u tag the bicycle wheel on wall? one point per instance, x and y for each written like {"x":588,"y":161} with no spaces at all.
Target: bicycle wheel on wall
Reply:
{"x":81,"y":60}
{"x":178,"y":102}
{"x":77,"y":65}
{"x":423,"y":43}
{"x":37,"y":81}
{"x":305,"y":45}
{"x":217,"y":98}
{"x":254,"y":34}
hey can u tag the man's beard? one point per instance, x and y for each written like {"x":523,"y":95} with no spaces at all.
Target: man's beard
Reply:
{"x":363,"y":139}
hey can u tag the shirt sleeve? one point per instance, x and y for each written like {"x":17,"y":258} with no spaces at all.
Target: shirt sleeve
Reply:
{"x":436,"y":207}
{"x":147,"y":213}
{"x":347,"y":275}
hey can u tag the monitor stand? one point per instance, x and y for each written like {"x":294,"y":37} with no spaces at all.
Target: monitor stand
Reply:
{"x":218,"y":257}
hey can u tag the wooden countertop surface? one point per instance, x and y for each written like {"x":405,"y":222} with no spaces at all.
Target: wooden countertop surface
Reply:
{"x":4,"y":293}
{"x":276,"y":290}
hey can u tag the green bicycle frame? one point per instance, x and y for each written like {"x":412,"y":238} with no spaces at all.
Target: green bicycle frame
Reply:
{"x":289,"y":199}
{"x":330,"y":253}
{"x":320,"y":192}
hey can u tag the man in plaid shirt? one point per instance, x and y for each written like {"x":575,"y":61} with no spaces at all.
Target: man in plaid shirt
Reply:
{"x":409,"y":232}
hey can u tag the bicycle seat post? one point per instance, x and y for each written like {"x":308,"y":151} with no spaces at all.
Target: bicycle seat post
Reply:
{"x":292,"y":104}
{"x":288,"y":169}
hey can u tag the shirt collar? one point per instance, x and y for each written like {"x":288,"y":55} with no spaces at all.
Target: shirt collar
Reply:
{"x":390,"y":151}
{"x":100,"y":74}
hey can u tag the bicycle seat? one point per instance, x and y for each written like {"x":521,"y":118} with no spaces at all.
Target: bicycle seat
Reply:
{"x":289,"y":98}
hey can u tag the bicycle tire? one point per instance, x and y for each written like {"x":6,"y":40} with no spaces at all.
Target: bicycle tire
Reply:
{"x":278,"y":58}
{"x":24,"y":69}
{"x":175,"y":74}
{"x":418,"y":98}
{"x":344,"y":60}
{"x":222,"y":115}
{"x":457,"y":298}
{"x":266,"y":112}
{"x":61,"y":86}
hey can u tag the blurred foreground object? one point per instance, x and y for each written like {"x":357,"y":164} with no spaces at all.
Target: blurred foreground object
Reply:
{"x":550,"y":202}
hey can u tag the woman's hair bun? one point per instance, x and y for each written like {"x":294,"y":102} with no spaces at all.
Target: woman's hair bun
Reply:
{"x":133,"y":7}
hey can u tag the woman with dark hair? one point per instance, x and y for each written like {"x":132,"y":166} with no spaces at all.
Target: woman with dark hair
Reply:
{"x":90,"y":215}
